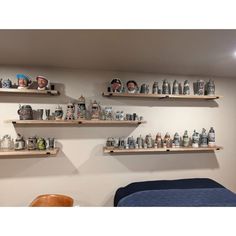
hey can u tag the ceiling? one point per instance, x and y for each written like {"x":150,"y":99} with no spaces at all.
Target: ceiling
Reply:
{"x":189,"y":52}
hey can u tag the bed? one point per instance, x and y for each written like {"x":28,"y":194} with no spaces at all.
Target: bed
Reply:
{"x":197,"y":192}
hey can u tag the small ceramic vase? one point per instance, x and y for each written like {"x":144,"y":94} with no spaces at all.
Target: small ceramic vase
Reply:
{"x":176,"y":141}
{"x":203,"y":138}
{"x":155,"y":88}
{"x":41,"y":144}
{"x":186,"y":139}
{"x":159,"y":140}
{"x":32,"y":143}
{"x":144,"y":88}
{"x":70,"y":112}
{"x":167,"y":142}
{"x":195,"y":139}
{"x":6,"y":83}
{"x":175,"y":88}
{"x":186,"y":90}
{"x":95,"y":110}
{"x":210,"y":88}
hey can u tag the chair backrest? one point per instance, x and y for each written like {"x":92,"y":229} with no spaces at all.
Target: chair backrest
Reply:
{"x":52,"y":200}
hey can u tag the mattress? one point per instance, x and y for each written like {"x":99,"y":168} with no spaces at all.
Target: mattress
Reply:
{"x":175,"y":193}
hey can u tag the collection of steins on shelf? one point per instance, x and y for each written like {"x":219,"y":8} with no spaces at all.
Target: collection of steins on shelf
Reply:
{"x":197,"y":140}
{"x":77,"y":111}
{"x":96,"y":112}
{"x":200,"y":87}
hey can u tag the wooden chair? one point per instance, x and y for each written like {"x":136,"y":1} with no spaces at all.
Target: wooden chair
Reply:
{"x":52,"y":200}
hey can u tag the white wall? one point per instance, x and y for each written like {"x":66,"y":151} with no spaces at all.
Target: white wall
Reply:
{"x":82,"y":171}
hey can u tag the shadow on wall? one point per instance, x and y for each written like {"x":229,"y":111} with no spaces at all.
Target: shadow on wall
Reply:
{"x":89,"y":132}
{"x":38,"y":166}
{"x":105,"y":163}
{"x":147,"y":102}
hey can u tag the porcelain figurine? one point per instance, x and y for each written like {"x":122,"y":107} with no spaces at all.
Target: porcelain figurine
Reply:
{"x":132,"y":86}
{"x":6,"y":142}
{"x":166,"y":89}
{"x":41,"y":144}
{"x":43,"y":83}
{"x":210,"y":88}
{"x":58,"y":113}
{"x":167,"y":142}
{"x":186,"y":139}
{"x":116,"y":86}
{"x":155,"y":88}
{"x":186,"y":90}
{"x":159,"y":140}
{"x":131,"y":142}
{"x":176,"y":141}
{"x":203,"y":138}
{"x":70,"y":112}
{"x":6,"y":83}
{"x":95,"y":110}
{"x":81,"y":108}
{"x":211,"y":137}
{"x":19,"y":143}
{"x":195,"y":139}
{"x":200,"y":87}
{"x":32,"y":143}
{"x":144,"y":88}
{"x":25,"y":112}
{"x":117,"y":115}
{"x":175,"y":88}
{"x":140,"y":142}
{"x":23,"y":81}
{"x":122,"y":115}
{"x":108,"y":114}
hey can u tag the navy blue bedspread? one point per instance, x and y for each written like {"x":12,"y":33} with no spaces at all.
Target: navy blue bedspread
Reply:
{"x":183,"y":192}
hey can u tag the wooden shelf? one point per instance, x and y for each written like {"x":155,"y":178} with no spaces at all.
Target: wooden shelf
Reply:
{"x":157,"y":150}
{"x":160,"y":96}
{"x":28,"y":91}
{"x":74,"y":122}
{"x":29,"y":153}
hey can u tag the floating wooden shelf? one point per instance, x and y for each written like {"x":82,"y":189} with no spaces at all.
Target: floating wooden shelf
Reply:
{"x":28,"y":91}
{"x":29,"y":153}
{"x":160,"y":96}
{"x":157,"y":150}
{"x":74,"y":122}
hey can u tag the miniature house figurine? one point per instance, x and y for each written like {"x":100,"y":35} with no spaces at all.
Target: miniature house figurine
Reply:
{"x":167,"y":141}
{"x":195,"y":139}
{"x":81,"y":108}
{"x":176,"y":141}
{"x":186,"y":90}
{"x":158,"y":140}
{"x":211,"y":137}
{"x":19,"y":143}
{"x":203,"y":138}
{"x":95,"y":110}
{"x":186,"y":139}
{"x":210,"y":88}
{"x":58,"y":113}
{"x":175,"y":88}
{"x":70,"y":112}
